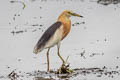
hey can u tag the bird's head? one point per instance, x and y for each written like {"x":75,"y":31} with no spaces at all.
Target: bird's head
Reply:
{"x":68,"y":14}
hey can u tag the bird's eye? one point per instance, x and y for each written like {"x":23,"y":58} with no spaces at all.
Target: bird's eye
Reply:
{"x":69,"y":12}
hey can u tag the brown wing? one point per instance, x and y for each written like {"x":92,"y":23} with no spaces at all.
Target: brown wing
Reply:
{"x":48,"y":34}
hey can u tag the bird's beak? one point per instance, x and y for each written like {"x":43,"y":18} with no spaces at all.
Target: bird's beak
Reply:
{"x":74,"y":14}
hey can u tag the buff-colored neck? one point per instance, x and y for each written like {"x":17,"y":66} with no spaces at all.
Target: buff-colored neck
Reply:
{"x":66,"y":24}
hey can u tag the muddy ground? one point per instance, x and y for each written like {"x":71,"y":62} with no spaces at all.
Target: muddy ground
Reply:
{"x":82,"y":73}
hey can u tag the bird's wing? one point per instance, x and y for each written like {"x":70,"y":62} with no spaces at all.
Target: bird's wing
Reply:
{"x":48,"y":34}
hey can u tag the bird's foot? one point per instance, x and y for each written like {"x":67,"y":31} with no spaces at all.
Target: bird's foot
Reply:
{"x":64,"y":69}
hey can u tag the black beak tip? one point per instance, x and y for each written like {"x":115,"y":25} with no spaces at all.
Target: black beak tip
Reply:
{"x":81,"y":16}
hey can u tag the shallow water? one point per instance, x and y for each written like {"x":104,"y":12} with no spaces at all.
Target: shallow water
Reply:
{"x":93,"y":43}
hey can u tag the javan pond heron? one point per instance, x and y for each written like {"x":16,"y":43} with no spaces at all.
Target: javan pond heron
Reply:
{"x":55,"y":34}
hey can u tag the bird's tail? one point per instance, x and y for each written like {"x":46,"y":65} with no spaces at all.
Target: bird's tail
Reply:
{"x":36,"y":50}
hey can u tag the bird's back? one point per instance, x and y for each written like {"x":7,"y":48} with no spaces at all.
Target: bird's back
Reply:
{"x":48,"y":34}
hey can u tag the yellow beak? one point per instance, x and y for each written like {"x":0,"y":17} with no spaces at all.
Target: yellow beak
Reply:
{"x":74,"y":14}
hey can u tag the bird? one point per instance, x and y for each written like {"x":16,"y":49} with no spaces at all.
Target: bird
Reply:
{"x":55,"y":34}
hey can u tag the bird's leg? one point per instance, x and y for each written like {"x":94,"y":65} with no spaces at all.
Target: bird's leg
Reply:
{"x":64,"y":68}
{"x":58,"y":46}
{"x":48,"y":59}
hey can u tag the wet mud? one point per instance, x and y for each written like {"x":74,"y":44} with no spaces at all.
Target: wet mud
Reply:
{"x":108,"y":2}
{"x":52,"y":75}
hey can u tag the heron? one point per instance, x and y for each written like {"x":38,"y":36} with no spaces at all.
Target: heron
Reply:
{"x":55,"y":34}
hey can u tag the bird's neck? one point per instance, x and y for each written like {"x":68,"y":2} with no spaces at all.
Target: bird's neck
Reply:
{"x":66,"y":25}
